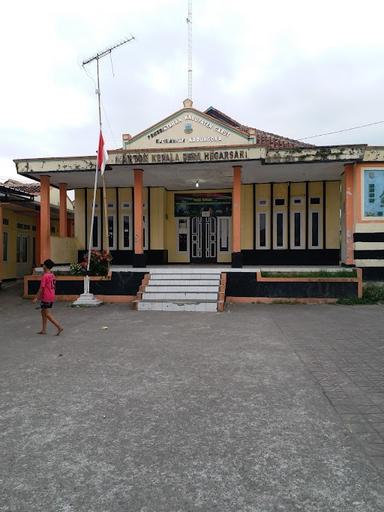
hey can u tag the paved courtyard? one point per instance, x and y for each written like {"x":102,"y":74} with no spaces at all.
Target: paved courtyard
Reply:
{"x":261,"y":408}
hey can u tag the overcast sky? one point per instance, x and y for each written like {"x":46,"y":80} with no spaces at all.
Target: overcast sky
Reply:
{"x":295,"y":68}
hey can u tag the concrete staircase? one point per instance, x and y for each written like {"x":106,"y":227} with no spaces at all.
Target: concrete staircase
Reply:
{"x":182,"y":290}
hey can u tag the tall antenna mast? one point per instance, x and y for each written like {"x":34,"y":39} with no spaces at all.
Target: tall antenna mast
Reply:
{"x":97,"y":57}
{"x":189,"y":21}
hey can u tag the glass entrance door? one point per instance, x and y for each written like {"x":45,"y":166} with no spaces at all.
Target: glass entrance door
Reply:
{"x":203,"y":240}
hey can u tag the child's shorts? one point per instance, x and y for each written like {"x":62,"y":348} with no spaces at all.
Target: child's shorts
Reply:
{"x":46,"y":305}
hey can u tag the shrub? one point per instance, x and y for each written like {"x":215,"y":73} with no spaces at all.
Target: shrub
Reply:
{"x":372,"y":294}
{"x":99,"y":263}
{"x":76,"y":269}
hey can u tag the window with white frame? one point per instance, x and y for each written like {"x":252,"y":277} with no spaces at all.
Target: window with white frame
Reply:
{"x":315,"y":230}
{"x":262,"y":230}
{"x":182,"y":234}
{"x":279,"y":230}
{"x":112,"y":231}
{"x":5,"y":246}
{"x":126,"y":228}
{"x":224,"y":228}
{"x":126,"y":231}
{"x":145,"y":231}
{"x":22,"y":249}
{"x":297,"y":230}
{"x":96,"y":233}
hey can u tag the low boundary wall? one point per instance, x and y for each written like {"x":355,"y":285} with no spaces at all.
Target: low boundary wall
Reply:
{"x":241,"y":287}
{"x":253,"y":287}
{"x":116,"y":287}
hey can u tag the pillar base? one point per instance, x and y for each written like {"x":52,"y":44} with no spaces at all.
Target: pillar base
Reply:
{"x":139,"y":260}
{"x":237,"y":260}
{"x":87,"y":300}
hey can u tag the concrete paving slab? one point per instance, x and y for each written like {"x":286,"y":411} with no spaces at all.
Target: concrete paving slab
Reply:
{"x":151,"y":412}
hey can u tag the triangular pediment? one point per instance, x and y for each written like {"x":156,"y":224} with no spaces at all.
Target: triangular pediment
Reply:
{"x":187,"y":128}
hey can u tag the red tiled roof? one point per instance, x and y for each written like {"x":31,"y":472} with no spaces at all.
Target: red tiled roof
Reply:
{"x":264,"y":139}
{"x":32,"y":189}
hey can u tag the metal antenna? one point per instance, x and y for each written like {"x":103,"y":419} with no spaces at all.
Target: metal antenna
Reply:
{"x":97,"y":58}
{"x":189,"y":22}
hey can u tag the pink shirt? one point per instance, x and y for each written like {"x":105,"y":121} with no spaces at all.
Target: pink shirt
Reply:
{"x":48,"y":283}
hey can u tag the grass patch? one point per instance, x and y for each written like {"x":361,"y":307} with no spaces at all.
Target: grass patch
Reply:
{"x":372,"y":294}
{"x":320,"y":273}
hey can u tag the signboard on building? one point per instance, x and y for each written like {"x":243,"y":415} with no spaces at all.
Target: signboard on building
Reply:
{"x":374,"y":193}
{"x":187,"y":128}
{"x":203,"y":204}
{"x":146,"y":157}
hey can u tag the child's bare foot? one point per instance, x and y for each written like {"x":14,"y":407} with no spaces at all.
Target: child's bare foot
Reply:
{"x":59,"y":331}
{"x":41,"y":332}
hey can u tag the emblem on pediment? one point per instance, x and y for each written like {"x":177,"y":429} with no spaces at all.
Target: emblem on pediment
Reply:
{"x":188,"y":128}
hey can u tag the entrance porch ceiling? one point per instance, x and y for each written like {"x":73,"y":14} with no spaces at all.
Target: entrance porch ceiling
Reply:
{"x":182,"y":176}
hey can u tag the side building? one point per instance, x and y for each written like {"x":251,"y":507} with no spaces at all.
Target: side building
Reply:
{"x":20,"y":226}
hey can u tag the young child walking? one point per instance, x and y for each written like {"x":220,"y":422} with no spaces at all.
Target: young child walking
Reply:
{"x":46,"y":295}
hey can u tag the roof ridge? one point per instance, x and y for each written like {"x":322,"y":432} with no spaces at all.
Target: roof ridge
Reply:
{"x":275,"y":140}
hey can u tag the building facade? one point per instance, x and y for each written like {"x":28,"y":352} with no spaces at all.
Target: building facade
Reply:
{"x":199,"y":187}
{"x":20,"y":226}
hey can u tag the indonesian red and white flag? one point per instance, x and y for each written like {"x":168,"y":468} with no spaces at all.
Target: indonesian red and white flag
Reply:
{"x":102,"y":155}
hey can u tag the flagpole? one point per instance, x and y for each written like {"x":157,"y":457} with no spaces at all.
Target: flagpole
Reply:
{"x":96,"y":174}
{"x":105,"y":204}
{"x":87,"y":298}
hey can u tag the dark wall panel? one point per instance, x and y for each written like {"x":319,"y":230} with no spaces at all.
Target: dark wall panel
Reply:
{"x":122,"y":283}
{"x":373,"y":273}
{"x":292,"y":257}
{"x":244,"y":284}
{"x":368,"y":237}
{"x":369,"y":255}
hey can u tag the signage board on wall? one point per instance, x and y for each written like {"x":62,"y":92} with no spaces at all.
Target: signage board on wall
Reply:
{"x":374,"y":193}
{"x":203,"y":204}
{"x":144,"y":157}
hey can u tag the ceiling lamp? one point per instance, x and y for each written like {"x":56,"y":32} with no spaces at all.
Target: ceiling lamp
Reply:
{"x":197,"y":184}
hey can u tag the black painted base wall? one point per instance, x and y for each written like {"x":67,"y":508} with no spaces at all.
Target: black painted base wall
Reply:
{"x":153,"y":257}
{"x":122,"y":283}
{"x":373,"y":273}
{"x":292,"y":257}
{"x":244,"y":284}
{"x":246,"y":257}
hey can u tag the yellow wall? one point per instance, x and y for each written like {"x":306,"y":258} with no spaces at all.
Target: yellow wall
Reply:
{"x":63,"y":250}
{"x":173,"y":256}
{"x":247,"y":224}
{"x":332,"y":214}
{"x":163,"y":222}
{"x":98,"y":210}
{"x":247,"y":221}
{"x":10,"y":268}
{"x":263,"y":193}
{"x":298,"y":189}
{"x":158,"y":201}
{"x":125,"y":196}
{"x":79,"y":218}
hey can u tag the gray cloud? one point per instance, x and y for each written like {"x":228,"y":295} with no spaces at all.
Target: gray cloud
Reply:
{"x":267,"y":66}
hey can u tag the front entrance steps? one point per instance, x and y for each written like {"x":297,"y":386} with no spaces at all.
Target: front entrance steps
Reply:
{"x":183,"y":290}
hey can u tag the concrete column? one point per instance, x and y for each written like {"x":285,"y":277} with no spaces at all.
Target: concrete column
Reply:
{"x":1,"y":244}
{"x":236,"y":217}
{"x":45,"y":219}
{"x":37,"y":251}
{"x":63,"y":216}
{"x":349,"y":216}
{"x":139,"y":256}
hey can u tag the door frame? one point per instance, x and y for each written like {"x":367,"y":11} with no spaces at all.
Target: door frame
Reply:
{"x":202,"y":232}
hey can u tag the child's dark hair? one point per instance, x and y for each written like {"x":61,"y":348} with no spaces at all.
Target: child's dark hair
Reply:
{"x":49,"y":264}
